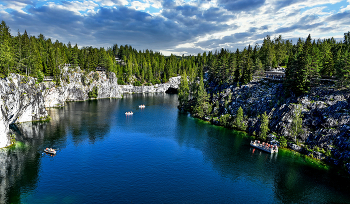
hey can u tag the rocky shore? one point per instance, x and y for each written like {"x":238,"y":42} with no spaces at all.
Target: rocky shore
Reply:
{"x":23,"y":99}
{"x":325,"y":116}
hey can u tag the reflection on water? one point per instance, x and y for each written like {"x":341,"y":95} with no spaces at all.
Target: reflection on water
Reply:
{"x":156,"y":155}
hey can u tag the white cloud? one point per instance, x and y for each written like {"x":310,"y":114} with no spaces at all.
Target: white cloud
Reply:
{"x":113,"y":2}
{"x":76,"y":6}
{"x":139,"y":5}
{"x":347,"y":8}
{"x":17,"y":6}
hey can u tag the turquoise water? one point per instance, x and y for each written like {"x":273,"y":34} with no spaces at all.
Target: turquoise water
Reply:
{"x":157,"y":155}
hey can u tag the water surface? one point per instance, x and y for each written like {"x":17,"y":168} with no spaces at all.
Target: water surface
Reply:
{"x":158,"y":155}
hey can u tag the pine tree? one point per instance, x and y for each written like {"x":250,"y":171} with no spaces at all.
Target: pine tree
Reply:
{"x":6,"y":53}
{"x":264,"y":127}
{"x":183,"y":92}
{"x":297,"y":121}
{"x":202,"y":107}
{"x":239,"y":120}
{"x":343,"y":68}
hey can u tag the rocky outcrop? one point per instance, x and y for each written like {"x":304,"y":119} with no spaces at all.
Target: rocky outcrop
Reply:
{"x":76,"y":85}
{"x":173,"y":83}
{"x":21,"y":100}
{"x":325,"y":110}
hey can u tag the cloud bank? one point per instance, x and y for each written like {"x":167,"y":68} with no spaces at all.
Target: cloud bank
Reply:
{"x":176,"y":26}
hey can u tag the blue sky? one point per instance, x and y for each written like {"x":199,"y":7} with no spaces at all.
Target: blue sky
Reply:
{"x":176,"y":26}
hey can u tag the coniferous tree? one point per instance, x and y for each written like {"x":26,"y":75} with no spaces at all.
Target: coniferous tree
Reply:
{"x":297,"y":121}
{"x":183,"y":92}
{"x":202,"y":106}
{"x":239,"y":120}
{"x":264,"y":127}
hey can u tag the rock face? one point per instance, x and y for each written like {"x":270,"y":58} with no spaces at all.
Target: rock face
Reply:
{"x":326,"y":115}
{"x":75,"y":86}
{"x":22,"y":99}
{"x":173,"y":83}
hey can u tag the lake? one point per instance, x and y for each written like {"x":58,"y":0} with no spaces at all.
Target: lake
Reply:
{"x":157,"y":155}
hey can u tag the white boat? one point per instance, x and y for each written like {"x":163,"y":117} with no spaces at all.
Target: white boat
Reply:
{"x":129,"y":113}
{"x":50,"y":151}
{"x":264,"y":146}
{"x":142,"y":106}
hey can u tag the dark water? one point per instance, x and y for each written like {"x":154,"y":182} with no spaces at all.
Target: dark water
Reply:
{"x":158,"y":155}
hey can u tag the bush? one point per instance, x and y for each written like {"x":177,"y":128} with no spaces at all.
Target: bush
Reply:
{"x":137,"y":83}
{"x":40,"y":76}
{"x":225,"y":120}
{"x":96,"y":76}
{"x":84,"y":79}
{"x":25,"y":80}
{"x":156,"y":81}
{"x":283,"y":141}
{"x":148,"y":84}
{"x":121,"y":82}
{"x":93,"y":93}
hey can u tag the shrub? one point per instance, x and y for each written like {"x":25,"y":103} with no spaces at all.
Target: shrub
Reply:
{"x":121,"y":82}
{"x":225,"y":120}
{"x":283,"y":141}
{"x":93,"y":93}
{"x":84,"y":79}
{"x":156,"y":81}
{"x":25,"y":80}
{"x":96,"y":76}
{"x":40,"y":76}
{"x":137,"y":83}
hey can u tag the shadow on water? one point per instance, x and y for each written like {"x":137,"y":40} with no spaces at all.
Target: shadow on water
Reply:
{"x":292,"y":179}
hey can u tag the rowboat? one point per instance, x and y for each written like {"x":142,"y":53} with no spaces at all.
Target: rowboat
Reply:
{"x":129,"y":113}
{"x":264,"y":146}
{"x":50,"y":151}
{"x":142,"y":106}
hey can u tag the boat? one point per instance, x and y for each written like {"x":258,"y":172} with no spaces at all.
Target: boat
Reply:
{"x":129,"y":113}
{"x":142,"y":106}
{"x":270,"y":148}
{"x":50,"y":151}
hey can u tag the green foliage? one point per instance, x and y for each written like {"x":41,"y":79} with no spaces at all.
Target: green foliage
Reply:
{"x":93,"y":93}
{"x":96,"y":76}
{"x":84,"y":79}
{"x":297,"y":122}
{"x":121,"y":82}
{"x":40,"y":76}
{"x":25,"y":80}
{"x":202,"y":105}
{"x":264,"y":127}
{"x":283,"y":141}
{"x":156,"y":81}
{"x":224,"y":120}
{"x":13,"y":138}
{"x":183,"y":91}
{"x":137,"y":83}
{"x":239,"y":120}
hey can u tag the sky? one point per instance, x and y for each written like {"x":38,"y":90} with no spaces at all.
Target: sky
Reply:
{"x":180,"y":27}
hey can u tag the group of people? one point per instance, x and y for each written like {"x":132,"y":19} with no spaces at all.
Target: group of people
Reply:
{"x":129,"y":113}
{"x":267,"y":145}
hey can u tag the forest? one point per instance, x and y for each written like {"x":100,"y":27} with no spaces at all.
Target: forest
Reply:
{"x":305,"y":61}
